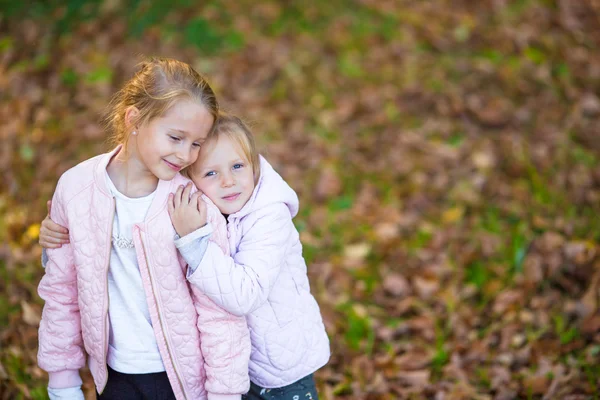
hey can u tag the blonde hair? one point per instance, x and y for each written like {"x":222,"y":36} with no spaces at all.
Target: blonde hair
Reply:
{"x":235,"y":129}
{"x":154,"y":89}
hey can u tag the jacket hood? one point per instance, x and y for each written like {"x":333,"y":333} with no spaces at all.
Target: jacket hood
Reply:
{"x":270,"y":189}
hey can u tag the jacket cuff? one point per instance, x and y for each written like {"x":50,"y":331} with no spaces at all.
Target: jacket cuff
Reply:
{"x":72,"y":393}
{"x":193,"y":246}
{"x":64,"y":379}
{"x":190,"y":237}
{"x":220,"y":396}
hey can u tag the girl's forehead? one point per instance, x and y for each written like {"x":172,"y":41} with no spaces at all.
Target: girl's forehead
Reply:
{"x":221,"y":146}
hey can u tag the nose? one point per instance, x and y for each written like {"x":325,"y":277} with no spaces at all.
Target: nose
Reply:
{"x":227,"y":180}
{"x":185,"y":156}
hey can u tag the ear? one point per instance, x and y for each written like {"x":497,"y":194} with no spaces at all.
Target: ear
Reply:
{"x":131,"y":117}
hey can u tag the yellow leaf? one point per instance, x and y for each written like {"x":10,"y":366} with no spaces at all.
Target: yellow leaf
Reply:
{"x":453,"y":214}
{"x":33,"y":232}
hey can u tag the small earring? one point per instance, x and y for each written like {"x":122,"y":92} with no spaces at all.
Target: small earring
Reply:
{"x":134,"y":133}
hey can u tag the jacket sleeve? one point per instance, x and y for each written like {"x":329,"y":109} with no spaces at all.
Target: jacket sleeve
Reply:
{"x":242,"y":283}
{"x":61,"y":351}
{"x":225,"y":339}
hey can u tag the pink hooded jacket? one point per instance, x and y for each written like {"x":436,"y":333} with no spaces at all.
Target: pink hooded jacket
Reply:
{"x":205,"y":350}
{"x":265,"y":279}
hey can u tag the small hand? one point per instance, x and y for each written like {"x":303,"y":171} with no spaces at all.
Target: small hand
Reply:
{"x":188,"y":213}
{"x":52,"y":235}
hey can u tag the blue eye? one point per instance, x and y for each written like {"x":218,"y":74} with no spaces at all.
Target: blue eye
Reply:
{"x":211,"y":173}
{"x":238,"y":166}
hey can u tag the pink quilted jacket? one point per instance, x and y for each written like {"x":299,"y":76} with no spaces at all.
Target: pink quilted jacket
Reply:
{"x":205,"y":350}
{"x":266,"y":280}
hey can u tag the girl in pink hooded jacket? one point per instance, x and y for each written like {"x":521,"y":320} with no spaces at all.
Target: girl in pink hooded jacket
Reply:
{"x":117,"y":293}
{"x":264,"y":276}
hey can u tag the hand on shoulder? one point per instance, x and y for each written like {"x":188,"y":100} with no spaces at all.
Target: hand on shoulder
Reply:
{"x":188,"y":212}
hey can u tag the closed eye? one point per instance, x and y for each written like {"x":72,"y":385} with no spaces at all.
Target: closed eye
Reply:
{"x":175,"y":138}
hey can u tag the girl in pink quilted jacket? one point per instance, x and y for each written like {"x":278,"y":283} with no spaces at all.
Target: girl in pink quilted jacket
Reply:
{"x":117,"y":293}
{"x":264,"y":276}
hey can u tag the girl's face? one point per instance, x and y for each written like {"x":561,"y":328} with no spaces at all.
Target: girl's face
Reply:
{"x":224,"y":175}
{"x":169,"y":143}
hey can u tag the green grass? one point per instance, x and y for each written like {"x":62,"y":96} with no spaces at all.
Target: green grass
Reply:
{"x":565,"y":334}
{"x":441,"y":355}
{"x":359,"y":334}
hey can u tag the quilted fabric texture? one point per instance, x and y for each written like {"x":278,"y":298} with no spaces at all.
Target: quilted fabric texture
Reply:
{"x":203,"y":347}
{"x":264,"y":278}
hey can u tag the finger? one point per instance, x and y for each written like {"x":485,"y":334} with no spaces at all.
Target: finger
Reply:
{"x":48,"y":245}
{"x":53,"y":240}
{"x":186,"y":194}
{"x":49,"y":206}
{"x":201,"y":206}
{"x":194,"y":199}
{"x":63,"y":237}
{"x":44,"y":239}
{"x":46,"y":234}
{"x":178,"y":196}
{"x":171,"y":206}
{"x":54,"y":227}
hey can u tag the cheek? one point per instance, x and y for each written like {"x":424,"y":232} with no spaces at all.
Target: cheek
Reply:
{"x":205,"y":187}
{"x":153,"y":146}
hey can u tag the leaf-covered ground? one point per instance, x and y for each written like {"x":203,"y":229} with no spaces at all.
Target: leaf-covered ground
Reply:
{"x":445,"y":153}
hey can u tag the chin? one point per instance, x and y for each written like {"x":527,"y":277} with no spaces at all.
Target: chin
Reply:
{"x":165,"y":175}
{"x":229,"y":210}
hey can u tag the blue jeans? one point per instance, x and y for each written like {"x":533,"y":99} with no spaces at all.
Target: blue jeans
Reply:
{"x":304,"y":389}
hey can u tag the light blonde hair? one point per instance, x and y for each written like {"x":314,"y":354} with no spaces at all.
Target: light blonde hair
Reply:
{"x":154,"y":89}
{"x":235,"y":129}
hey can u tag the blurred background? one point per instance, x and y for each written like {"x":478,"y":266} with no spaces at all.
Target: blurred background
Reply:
{"x":445,"y":154}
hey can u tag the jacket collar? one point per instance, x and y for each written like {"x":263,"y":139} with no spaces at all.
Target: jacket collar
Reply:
{"x":162,"y":190}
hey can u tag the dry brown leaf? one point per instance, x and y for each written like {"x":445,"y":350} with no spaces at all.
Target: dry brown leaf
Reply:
{"x":426,"y":287}
{"x":329,"y":184}
{"x":31,"y":315}
{"x":590,"y":105}
{"x":415,"y":378}
{"x":386,"y":231}
{"x":506,"y":299}
{"x":413,"y":360}
{"x":396,"y":285}
{"x":536,"y":384}
{"x":355,"y":254}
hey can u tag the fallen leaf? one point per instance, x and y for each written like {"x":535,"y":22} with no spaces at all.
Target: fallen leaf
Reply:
{"x":426,"y":287}
{"x":355,"y":254}
{"x":396,"y":285}
{"x":415,"y":378}
{"x":30,"y":315}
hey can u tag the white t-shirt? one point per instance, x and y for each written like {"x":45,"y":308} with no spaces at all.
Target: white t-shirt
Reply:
{"x":132,"y":347}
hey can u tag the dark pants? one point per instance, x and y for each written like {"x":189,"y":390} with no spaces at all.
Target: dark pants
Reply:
{"x":121,"y":386}
{"x":304,"y":389}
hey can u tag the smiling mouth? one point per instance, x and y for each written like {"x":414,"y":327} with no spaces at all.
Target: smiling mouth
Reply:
{"x":174,"y":167}
{"x":231,"y":197}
